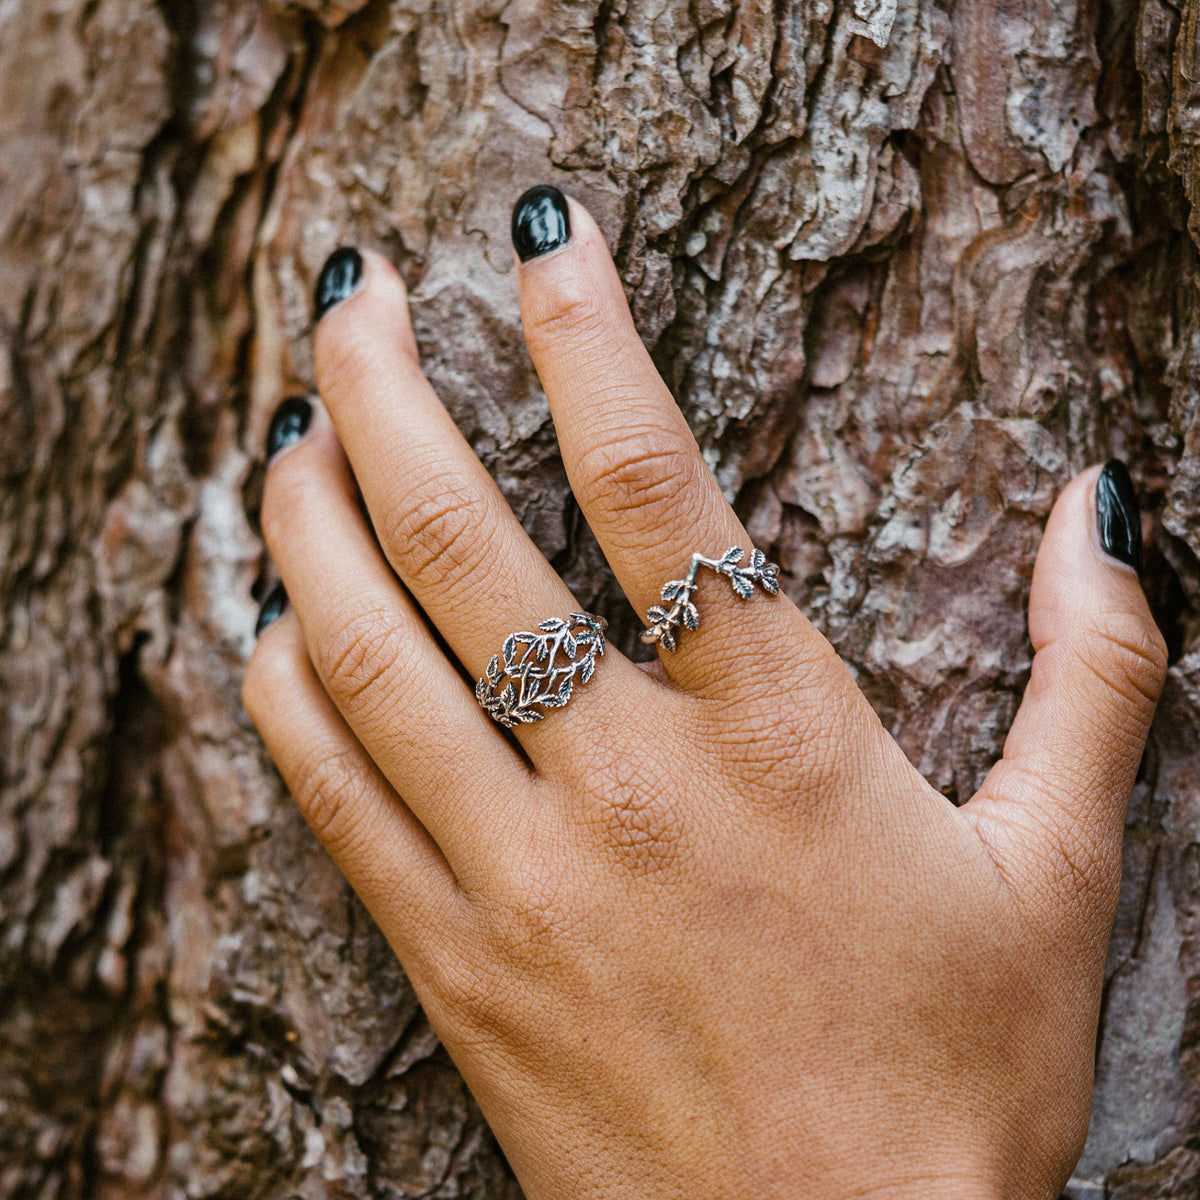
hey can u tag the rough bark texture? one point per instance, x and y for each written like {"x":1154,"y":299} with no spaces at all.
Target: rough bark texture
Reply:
{"x":907,"y":264}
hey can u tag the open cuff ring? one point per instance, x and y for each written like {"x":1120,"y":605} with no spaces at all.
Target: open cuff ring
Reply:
{"x":538,"y":671}
{"x":677,"y":612}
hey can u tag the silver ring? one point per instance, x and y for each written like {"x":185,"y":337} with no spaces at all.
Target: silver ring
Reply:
{"x":680,"y":613}
{"x":536,"y":671}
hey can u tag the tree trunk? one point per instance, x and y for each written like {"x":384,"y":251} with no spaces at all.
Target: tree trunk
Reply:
{"x":907,"y":265}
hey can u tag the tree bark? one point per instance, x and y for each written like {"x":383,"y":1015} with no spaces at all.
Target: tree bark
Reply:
{"x":907,"y":265}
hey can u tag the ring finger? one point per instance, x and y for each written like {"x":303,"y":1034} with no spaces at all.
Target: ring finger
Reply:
{"x":442,"y":522}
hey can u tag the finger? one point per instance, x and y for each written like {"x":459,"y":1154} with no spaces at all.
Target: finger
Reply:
{"x":634,"y":466}
{"x":444,"y":525}
{"x":379,"y":846}
{"x":401,"y":696}
{"x":1053,"y":809}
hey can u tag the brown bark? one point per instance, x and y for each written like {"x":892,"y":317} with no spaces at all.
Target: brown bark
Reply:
{"x":907,"y":265}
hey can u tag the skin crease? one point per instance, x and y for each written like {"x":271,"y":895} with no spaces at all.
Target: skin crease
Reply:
{"x":707,"y":933}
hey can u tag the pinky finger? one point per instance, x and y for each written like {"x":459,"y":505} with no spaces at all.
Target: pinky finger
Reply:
{"x":383,"y":850}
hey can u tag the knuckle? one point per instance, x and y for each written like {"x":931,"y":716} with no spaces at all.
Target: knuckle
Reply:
{"x":570,"y":317}
{"x":633,"y":811}
{"x":438,"y":535}
{"x":348,"y":353}
{"x":482,"y":1008}
{"x":332,"y":793}
{"x":641,"y":829}
{"x":356,"y":656}
{"x":464,"y":990}
{"x":534,"y":917}
{"x":539,"y":932}
{"x":1129,"y":656}
{"x":643,"y":836}
{"x":1080,"y":870}
{"x":1066,"y":868}
{"x":648,"y":469}
{"x":1083,"y":875}
{"x":800,"y":749}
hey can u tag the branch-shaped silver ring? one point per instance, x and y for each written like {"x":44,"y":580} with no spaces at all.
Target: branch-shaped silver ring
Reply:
{"x":666,"y":622}
{"x":536,"y":671}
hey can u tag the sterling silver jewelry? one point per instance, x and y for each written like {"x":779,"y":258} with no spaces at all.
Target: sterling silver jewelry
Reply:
{"x":538,"y":670}
{"x":665,"y":623}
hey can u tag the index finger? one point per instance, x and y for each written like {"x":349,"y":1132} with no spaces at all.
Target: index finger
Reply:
{"x":632,"y":460}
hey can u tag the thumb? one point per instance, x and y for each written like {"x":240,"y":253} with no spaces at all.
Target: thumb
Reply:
{"x":1052,"y":810}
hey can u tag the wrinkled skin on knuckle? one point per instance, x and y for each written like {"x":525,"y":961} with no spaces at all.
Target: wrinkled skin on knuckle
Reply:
{"x":1129,"y":657}
{"x":633,"y":805}
{"x":1065,"y":882}
{"x":1074,"y":875}
{"x":331,"y":792}
{"x":347,"y":359}
{"x":356,"y":656}
{"x":783,"y":750}
{"x":571,"y":318}
{"x":1085,"y":881}
{"x":472,"y":995}
{"x":434,"y":534}
{"x":1082,"y":880}
{"x":646,"y":470}
{"x":535,"y":914}
{"x":640,"y":819}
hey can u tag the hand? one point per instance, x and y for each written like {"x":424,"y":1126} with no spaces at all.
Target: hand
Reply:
{"x":706,"y":932}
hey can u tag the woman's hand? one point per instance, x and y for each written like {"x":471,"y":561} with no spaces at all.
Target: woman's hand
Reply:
{"x":707,"y":933}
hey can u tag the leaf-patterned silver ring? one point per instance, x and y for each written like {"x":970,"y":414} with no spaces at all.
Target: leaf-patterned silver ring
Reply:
{"x":538,"y":671}
{"x":677,"y":611}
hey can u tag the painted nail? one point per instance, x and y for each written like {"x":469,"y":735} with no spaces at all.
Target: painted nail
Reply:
{"x":541,"y":222}
{"x":274,"y":605}
{"x":289,"y":424}
{"x":339,"y":277}
{"x":1119,"y":515}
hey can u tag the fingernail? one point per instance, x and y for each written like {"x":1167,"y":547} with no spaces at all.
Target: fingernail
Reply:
{"x":289,"y":424}
{"x":338,"y":279}
{"x":540,"y":222}
{"x":274,"y":605}
{"x":1119,"y":515}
